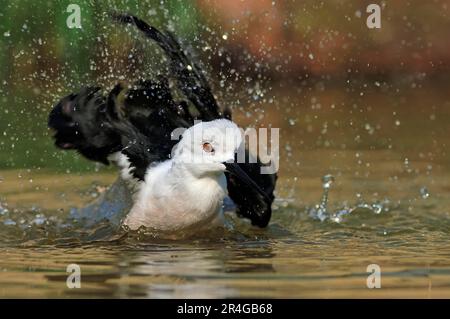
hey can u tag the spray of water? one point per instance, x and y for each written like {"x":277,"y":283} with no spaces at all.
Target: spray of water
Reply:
{"x":323,"y":213}
{"x":320,"y":210}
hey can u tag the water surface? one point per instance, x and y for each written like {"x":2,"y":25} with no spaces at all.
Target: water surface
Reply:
{"x":388,"y":205}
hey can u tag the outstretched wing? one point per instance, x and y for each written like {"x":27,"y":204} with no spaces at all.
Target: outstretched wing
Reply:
{"x":191,"y":81}
{"x":136,"y":122}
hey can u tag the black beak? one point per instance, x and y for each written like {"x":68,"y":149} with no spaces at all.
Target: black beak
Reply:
{"x":234,"y":169}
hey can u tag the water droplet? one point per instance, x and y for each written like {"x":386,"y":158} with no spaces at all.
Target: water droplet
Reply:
{"x":424,"y":192}
{"x":327,"y":181}
{"x":3,"y":210}
{"x":377,"y":208}
{"x":320,"y":211}
{"x":7,"y":34}
{"x":39,"y":220}
{"x":337,"y":219}
{"x":225,"y":36}
{"x":9,"y":222}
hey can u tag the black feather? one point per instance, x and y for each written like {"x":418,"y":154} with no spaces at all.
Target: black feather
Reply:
{"x":190,"y":79}
{"x":249,"y":202}
{"x":80,"y":122}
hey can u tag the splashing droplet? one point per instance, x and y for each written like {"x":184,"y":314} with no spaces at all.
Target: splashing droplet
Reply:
{"x":3,"y":210}
{"x":9,"y":222}
{"x":327,"y":181}
{"x":377,"y":208}
{"x":320,"y":210}
{"x":424,"y":192}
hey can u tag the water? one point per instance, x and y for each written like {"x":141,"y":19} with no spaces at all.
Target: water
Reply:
{"x":373,"y":192}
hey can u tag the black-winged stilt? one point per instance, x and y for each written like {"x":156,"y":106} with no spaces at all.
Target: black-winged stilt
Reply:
{"x":176,"y":186}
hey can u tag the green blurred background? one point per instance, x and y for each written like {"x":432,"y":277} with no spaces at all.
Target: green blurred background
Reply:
{"x":262,"y":57}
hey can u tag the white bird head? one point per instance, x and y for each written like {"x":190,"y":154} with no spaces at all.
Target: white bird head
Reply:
{"x":206,"y":146}
{"x":210,"y":148}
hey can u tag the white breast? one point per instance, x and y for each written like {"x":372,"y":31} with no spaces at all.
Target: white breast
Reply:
{"x":172,"y":200}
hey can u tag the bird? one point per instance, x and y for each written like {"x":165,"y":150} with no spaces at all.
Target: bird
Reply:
{"x":177,"y":181}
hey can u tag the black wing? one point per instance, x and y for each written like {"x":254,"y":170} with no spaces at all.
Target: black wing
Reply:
{"x":97,"y":125}
{"x":191,"y":81}
{"x":250,"y":203}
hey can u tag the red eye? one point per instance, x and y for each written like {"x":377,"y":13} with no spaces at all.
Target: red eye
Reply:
{"x":208,"y":148}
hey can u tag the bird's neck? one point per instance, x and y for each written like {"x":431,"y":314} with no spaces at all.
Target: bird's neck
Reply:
{"x":205,"y":189}
{"x":195,"y":174}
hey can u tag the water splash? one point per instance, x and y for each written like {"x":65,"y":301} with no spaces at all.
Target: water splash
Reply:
{"x":322,"y":213}
{"x":424,"y":193}
{"x":3,"y":209}
{"x":320,"y":210}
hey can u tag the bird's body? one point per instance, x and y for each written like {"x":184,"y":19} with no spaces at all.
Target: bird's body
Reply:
{"x":181,"y":203}
{"x":175,"y":186}
{"x":187,"y":191}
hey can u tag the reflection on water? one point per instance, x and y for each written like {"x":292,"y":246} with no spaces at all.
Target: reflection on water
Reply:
{"x":383,"y":200}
